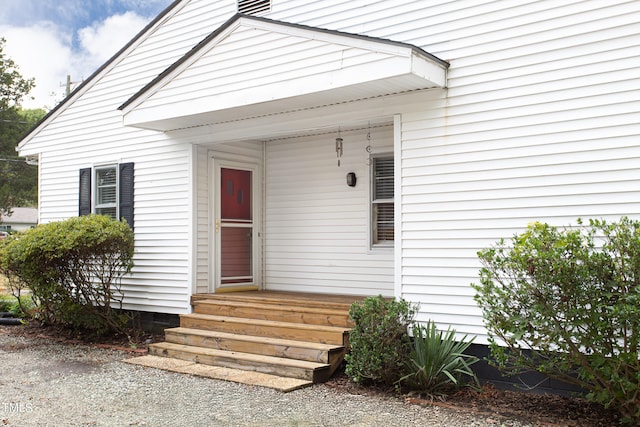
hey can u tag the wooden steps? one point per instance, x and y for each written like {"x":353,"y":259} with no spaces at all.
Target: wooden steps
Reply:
{"x":312,"y":371}
{"x":302,"y":336}
{"x":309,"y":351}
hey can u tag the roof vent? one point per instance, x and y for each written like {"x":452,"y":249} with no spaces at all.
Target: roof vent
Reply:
{"x":253,"y":7}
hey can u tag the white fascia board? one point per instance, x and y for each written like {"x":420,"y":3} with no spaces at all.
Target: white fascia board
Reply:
{"x":366,"y":80}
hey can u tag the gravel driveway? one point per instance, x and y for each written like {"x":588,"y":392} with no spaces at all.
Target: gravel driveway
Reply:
{"x":45,"y":383}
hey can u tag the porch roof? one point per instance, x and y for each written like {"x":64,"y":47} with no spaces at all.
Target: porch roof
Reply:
{"x":254,"y":67}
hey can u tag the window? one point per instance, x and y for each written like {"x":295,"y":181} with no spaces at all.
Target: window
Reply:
{"x":253,"y":7}
{"x":112,"y":189}
{"x":382,"y":207}
{"x":106,"y":194}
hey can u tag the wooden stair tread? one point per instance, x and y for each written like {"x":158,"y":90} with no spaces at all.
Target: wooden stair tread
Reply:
{"x":277,"y":382}
{"x":247,"y":357}
{"x":279,"y":298}
{"x":256,"y":339}
{"x":275,"y":323}
{"x":293,"y":312}
{"x":268,"y":328}
{"x":289,"y":306}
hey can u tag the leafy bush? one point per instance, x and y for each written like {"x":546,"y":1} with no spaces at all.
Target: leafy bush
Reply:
{"x":571,"y":298}
{"x":19,"y":306}
{"x":438,"y":363}
{"x":380,"y":343}
{"x":5,"y":302}
{"x":73,"y":269}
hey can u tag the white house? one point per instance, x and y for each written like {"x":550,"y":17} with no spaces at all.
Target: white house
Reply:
{"x":18,"y":219}
{"x":348,"y":147}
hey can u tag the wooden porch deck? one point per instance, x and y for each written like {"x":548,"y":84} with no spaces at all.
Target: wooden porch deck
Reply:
{"x":317,"y":299}
{"x":284,"y":334}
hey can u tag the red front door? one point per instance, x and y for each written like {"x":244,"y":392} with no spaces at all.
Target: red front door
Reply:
{"x":235,"y":227}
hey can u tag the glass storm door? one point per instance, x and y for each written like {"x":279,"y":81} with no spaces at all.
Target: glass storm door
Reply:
{"x":234,"y":228}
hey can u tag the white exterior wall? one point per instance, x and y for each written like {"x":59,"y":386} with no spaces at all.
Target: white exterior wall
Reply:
{"x":540,"y":122}
{"x":316,"y":227}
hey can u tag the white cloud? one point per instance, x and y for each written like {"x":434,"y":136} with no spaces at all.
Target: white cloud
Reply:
{"x":45,"y":52}
{"x":102,"y":40}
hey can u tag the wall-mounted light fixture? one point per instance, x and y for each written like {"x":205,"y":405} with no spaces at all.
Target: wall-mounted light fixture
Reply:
{"x":351,"y":179}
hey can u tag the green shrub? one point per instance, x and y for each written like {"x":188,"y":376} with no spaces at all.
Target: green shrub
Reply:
{"x":19,"y":306}
{"x":5,"y":302}
{"x":566,"y":302}
{"x":380,"y":344}
{"x":73,"y":269}
{"x":438,"y":363}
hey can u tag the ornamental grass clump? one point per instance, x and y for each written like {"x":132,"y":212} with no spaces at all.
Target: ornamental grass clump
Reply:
{"x":566,"y":302}
{"x":438,"y":363}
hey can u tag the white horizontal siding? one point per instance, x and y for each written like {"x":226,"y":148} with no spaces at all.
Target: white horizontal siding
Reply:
{"x":539,"y":122}
{"x":203,"y":222}
{"x":540,"y":126}
{"x":316,"y":227}
{"x":293,"y":62}
{"x":90,"y":131}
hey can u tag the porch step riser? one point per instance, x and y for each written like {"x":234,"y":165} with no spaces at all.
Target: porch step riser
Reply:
{"x":292,"y":314}
{"x":291,"y":331}
{"x":239,"y":361}
{"x":315,"y":301}
{"x":256,"y":345}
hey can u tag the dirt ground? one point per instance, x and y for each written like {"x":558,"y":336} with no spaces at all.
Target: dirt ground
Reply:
{"x":541,"y":409}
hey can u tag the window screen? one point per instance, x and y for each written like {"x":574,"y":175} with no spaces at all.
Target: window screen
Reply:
{"x":252,"y":7}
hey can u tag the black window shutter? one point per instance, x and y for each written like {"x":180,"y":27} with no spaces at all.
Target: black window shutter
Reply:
{"x":126,"y":192}
{"x":84,"y":207}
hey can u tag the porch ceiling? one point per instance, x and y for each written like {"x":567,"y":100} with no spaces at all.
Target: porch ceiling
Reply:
{"x":254,"y":67}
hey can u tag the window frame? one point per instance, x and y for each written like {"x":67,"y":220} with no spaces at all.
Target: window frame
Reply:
{"x":95,"y":190}
{"x":375,"y":202}
{"x":124,"y":189}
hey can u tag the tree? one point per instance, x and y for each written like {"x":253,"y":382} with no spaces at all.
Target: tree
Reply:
{"x":18,"y":181}
{"x":13,"y":87}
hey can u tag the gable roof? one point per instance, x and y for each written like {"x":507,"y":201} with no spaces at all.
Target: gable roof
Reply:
{"x":341,"y":67}
{"x":86,"y":84}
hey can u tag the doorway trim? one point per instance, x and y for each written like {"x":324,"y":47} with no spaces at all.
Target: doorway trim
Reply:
{"x":215,"y":283}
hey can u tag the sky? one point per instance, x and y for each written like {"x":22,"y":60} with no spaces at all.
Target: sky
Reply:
{"x":50,"y":39}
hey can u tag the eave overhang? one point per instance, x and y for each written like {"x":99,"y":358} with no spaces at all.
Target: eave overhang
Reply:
{"x":254,"y":67}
